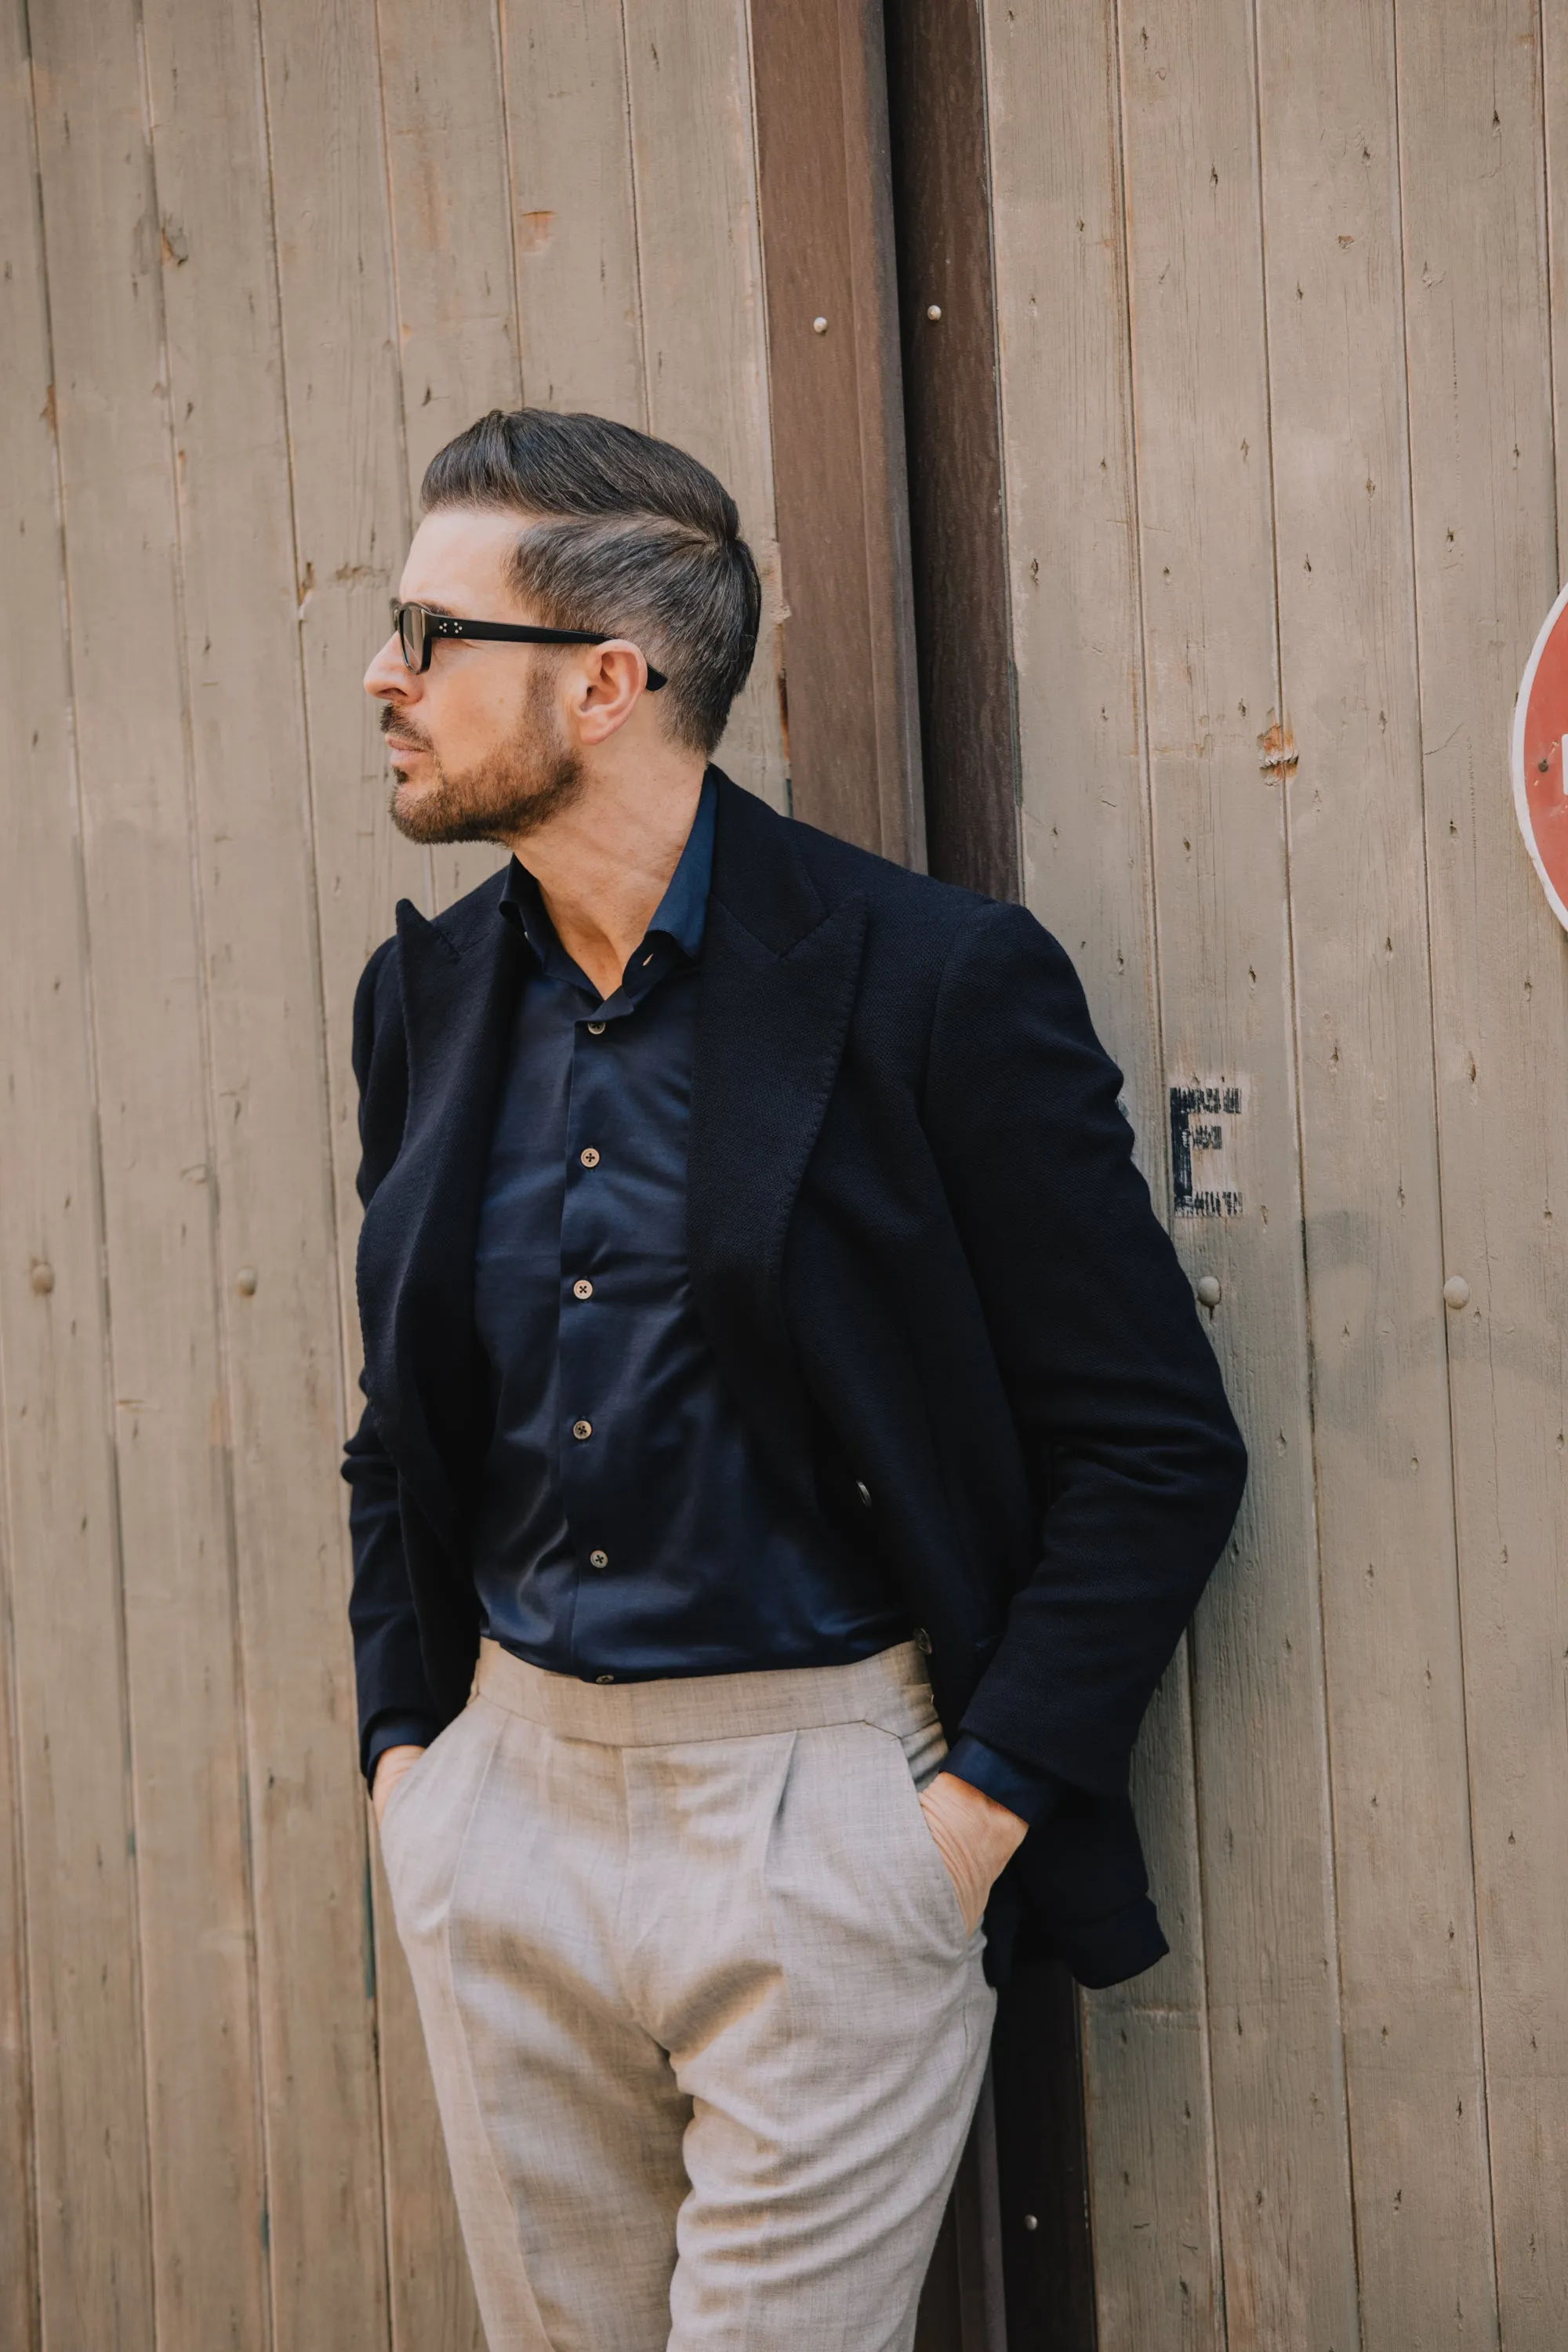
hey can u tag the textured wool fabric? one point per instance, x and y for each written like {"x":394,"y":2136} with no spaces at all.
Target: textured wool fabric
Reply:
{"x":706,"y":2027}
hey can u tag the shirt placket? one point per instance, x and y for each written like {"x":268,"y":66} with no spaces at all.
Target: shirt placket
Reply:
{"x":586,"y":1439}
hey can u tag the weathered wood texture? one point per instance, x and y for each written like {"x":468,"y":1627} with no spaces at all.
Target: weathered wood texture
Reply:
{"x":839,"y":425}
{"x":1276,"y":290}
{"x":259,"y":260}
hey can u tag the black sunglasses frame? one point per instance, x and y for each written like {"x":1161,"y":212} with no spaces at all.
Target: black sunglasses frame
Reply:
{"x":417,"y":628}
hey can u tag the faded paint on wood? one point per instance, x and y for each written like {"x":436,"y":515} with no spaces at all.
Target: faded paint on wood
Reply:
{"x":1065,"y":365}
{"x":701,"y":282}
{"x":102,"y":234}
{"x":92,"y":2266}
{"x":1206,"y":559}
{"x":1486,"y":570}
{"x":262,"y":327}
{"x":322,"y":2224}
{"x":1393,"y":1663}
{"x":574,"y":232}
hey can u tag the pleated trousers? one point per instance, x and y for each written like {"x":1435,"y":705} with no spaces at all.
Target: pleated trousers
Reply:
{"x":706,"y":2026}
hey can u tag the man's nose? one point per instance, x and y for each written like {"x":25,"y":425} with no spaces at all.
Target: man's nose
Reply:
{"x":388,"y":673}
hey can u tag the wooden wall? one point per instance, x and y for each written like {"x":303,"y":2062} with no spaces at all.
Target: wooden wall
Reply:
{"x":259,"y":260}
{"x":1235,"y":509}
{"x":1279,"y":319}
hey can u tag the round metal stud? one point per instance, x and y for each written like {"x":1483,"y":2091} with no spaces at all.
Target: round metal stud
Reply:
{"x":819,"y":326}
{"x":933,"y":311}
{"x":1209,"y":1292}
{"x":245,"y":1282}
{"x":43,"y":1278}
{"x":1455,"y":1291}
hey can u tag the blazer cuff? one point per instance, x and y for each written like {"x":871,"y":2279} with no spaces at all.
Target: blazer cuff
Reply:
{"x":395,"y":1731}
{"x":1026,"y":1789}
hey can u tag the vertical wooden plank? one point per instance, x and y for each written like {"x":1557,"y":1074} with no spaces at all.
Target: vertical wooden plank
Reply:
{"x":19,"y":2316}
{"x":1374,"y":1244}
{"x":574,"y":222}
{"x":1207,"y":567}
{"x":451,"y":225}
{"x":343,"y":403}
{"x":343,"y":396}
{"x":941,"y":199}
{"x":837,"y":423}
{"x":447,"y":171}
{"x":1065,"y":385}
{"x":1486,"y":571}
{"x":102,"y":239}
{"x":74,"y":1818}
{"x":324,"y":2225}
{"x":699,"y":277}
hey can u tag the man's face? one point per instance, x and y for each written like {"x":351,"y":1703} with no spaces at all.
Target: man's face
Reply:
{"x":479,"y":744}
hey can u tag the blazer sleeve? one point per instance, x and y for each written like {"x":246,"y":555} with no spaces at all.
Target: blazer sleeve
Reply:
{"x":1132,"y":1448}
{"x":389,"y":1666}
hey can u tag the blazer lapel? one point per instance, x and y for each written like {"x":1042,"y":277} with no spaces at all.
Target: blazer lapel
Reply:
{"x":460,"y":978}
{"x":779,"y":975}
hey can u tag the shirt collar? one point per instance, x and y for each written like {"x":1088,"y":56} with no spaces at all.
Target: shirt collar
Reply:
{"x":680,"y":917}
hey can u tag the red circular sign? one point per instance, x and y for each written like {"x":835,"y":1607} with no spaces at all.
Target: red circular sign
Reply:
{"x":1540,"y":778}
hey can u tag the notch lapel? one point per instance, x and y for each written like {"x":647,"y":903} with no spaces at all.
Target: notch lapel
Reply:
{"x":779,"y":970}
{"x":460,"y":978}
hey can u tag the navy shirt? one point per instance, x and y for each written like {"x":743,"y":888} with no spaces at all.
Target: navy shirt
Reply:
{"x":624,"y":1528}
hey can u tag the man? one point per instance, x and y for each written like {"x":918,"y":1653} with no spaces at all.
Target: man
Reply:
{"x":775,"y":1372}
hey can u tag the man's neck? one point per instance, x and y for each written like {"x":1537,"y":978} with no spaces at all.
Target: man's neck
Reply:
{"x":605,"y":862}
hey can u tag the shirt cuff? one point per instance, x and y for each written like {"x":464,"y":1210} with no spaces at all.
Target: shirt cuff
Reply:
{"x":1026,"y":1789}
{"x":397,"y":1731}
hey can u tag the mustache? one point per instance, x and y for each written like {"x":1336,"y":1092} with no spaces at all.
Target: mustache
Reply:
{"x":410,"y":734}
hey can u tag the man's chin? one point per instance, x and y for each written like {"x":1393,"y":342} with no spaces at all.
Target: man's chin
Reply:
{"x":428,"y":818}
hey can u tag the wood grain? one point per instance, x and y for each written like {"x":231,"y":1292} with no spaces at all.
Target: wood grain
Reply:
{"x":89,"y":2267}
{"x":1206,"y":555}
{"x":103,"y":233}
{"x":345,"y":400}
{"x":269,"y":1121}
{"x":1487,"y":570}
{"x":1067,"y":442}
{"x":941,"y":177}
{"x":450,"y":199}
{"x":573,"y":224}
{"x":703,"y":327}
{"x":1407,"y":1960}
{"x":838,"y":424}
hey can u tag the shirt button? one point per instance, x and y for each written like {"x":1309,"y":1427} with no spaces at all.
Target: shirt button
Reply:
{"x":598,"y":1560}
{"x":582,"y":1429}
{"x":589,"y":1158}
{"x":596,"y":1028}
{"x":583,"y":1288}
{"x":604,"y":1678}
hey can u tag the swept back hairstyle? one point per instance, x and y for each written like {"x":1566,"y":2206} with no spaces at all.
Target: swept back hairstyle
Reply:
{"x":622,"y":533}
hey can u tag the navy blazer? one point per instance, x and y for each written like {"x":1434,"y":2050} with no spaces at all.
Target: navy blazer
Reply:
{"x":931,"y":1273}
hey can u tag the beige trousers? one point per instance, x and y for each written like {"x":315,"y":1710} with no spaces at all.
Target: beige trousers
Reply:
{"x":706,"y":2027}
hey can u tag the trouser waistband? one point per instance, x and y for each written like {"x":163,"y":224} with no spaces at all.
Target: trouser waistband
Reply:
{"x":892,"y":1690}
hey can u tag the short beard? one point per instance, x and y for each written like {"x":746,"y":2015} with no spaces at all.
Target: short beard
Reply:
{"x":518,"y":788}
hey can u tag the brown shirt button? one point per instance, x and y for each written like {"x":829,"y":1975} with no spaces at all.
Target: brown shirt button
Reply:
{"x":589,"y":1158}
{"x":582,"y":1287}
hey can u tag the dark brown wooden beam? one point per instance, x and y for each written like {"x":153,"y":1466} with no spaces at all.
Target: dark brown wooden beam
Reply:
{"x":838,"y":422}
{"x":936,"y":87}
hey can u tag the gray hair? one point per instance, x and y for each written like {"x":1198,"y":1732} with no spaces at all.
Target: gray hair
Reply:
{"x":623,"y":534}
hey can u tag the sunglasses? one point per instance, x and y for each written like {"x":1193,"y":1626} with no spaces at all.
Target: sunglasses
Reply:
{"x":418,"y":627}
